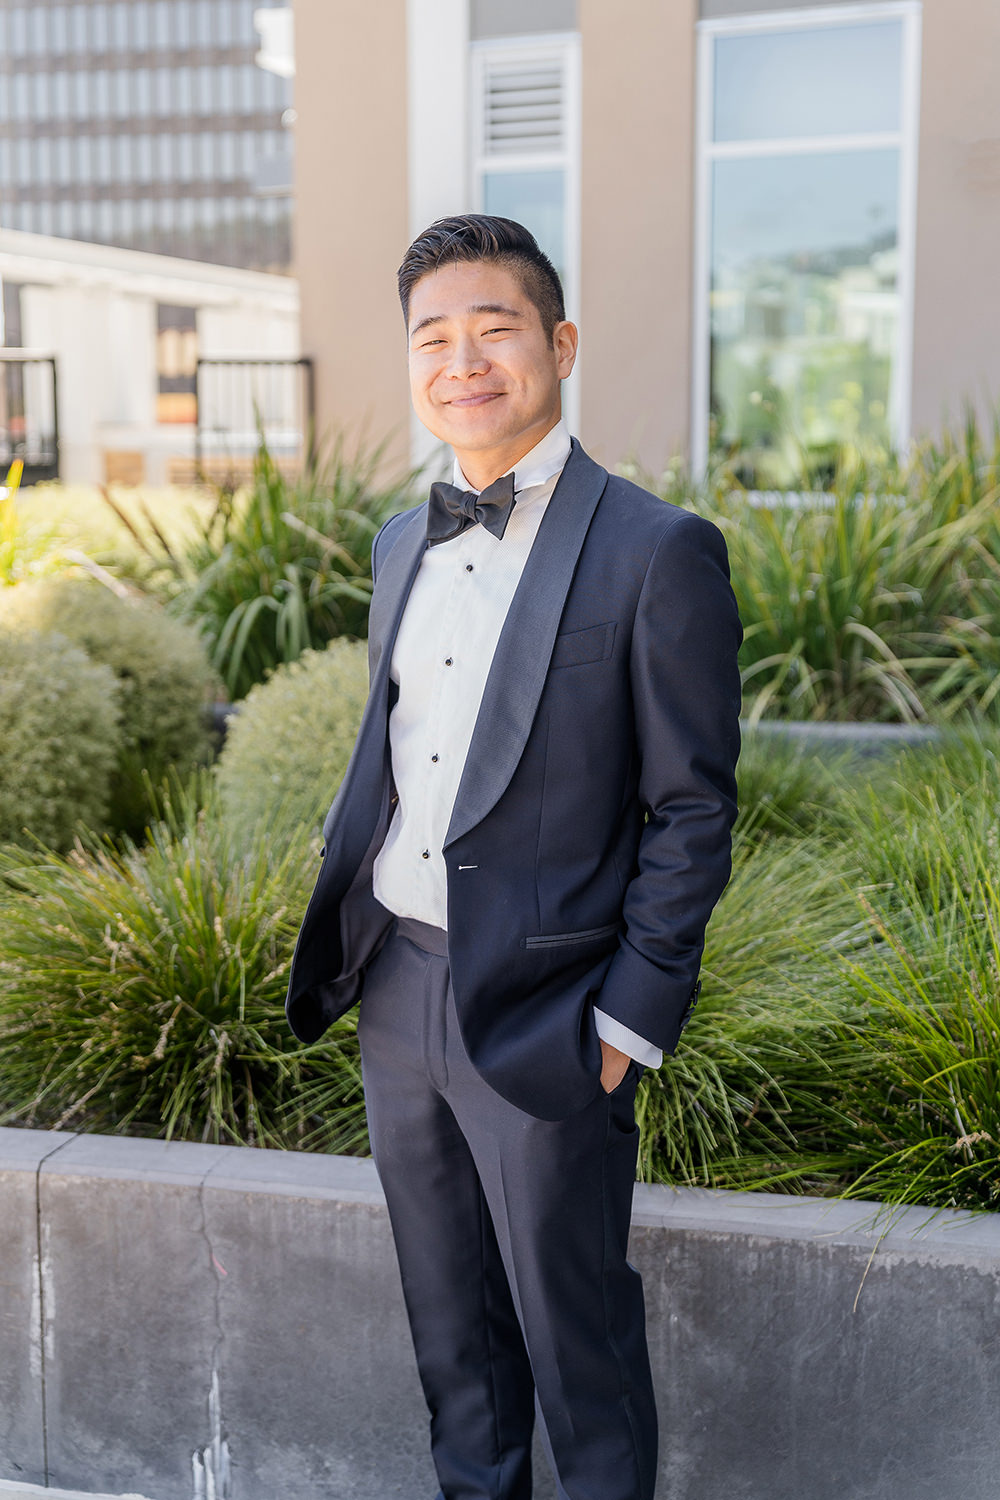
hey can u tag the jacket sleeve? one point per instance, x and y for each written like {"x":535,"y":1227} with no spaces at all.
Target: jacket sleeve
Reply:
{"x":686,"y":695}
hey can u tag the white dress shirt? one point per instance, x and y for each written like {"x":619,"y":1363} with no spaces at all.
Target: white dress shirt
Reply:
{"x":440,"y":662}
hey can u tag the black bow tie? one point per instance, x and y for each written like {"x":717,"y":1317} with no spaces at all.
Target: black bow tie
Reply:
{"x":451,"y":510}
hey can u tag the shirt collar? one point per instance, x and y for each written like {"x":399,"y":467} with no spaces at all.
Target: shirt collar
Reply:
{"x":536,"y":467}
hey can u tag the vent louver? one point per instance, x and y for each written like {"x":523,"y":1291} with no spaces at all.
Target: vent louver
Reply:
{"x":523,"y":106}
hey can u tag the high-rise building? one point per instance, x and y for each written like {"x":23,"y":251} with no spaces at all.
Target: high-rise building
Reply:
{"x":146,"y":124}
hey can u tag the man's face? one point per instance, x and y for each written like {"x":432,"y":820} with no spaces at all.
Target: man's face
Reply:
{"x":484,"y":376}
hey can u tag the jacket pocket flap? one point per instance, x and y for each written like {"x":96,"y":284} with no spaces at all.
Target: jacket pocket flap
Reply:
{"x":577,"y":647}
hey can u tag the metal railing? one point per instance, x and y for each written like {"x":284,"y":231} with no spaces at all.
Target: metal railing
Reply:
{"x":239,"y":401}
{"x":29,"y":414}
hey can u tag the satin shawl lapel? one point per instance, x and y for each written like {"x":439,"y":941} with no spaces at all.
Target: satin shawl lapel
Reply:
{"x":395,"y":578}
{"x":521,"y":660}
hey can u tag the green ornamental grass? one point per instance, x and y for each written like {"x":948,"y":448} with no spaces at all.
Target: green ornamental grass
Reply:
{"x":876,"y":599}
{"x":747,"y":1100}
{"x":282,"y":566}
{"x":142,"y":990}
{"x":923,"y":1102}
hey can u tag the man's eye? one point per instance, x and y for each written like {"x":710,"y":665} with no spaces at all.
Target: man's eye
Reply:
{"x":499,"y":330}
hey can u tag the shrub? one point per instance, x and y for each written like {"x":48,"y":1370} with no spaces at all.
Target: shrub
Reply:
{"x":287,"y":749}
{"x":162,"y":672}
{"x":788,"y":787}
{"x":877,"y":599}
{"x":141,"y":991}
{"x":921,"y":1108}
{"x":747,"y":1101}
{"x":285,"y":565}
{"x":29,"y":545}
{"x":59,"y":738}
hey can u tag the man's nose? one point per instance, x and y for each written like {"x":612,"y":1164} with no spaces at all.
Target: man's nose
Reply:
{"x":468,"y":357}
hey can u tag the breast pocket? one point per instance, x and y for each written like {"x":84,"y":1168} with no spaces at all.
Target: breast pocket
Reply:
{"x":575,"y":648}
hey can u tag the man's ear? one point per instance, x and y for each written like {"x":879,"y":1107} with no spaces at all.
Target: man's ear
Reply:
{"x":565,"y":342}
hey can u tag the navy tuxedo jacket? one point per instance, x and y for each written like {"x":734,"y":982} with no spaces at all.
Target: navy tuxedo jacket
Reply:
{"x":590,"y":837}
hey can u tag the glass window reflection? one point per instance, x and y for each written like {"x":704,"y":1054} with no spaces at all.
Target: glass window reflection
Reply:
{"x":19,"y":31}
{"x":817,"y":80}
{"x":535,"y":199}
{"x":804,"y":301}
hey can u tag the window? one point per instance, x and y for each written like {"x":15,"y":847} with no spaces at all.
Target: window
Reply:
{"x":526,"y":142}
{"x":123,"y":155}
{"x":83,"y":172}
{"x":24,"y":173}
{"x":21,"y":97}
{"x":81,"y":101}
{"x":19,"y":31}
{"x":80,"y":30}
{"x":38,"y":38}
{"x":122,"y":105}
{"x":182,"y":23}
{"x":58,"y":21}
{"x":101,"y":93}
{"x":164,"y":92}
{"x":40,"y":92}
{"x":206,"y":155}
{"x":185,"y":157}
{"x":161,"y":22}
{"x":60,"y":95}
{"x":99,"y":26}
{"x":141,"y":28}
{"x":806,"y":190}
{"x":43,"y":161}
{"x":119,"y":26}
{"x":144,"y":158}
{"x":142,"y":83}
{"x":64,"y":159}
{"x":206,"y":94}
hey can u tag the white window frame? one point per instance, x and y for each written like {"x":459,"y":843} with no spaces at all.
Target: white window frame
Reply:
{"x":565,"y":46}
{"x":708,"y":152}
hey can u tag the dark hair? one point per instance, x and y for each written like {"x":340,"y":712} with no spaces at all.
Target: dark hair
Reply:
{"x":486,"y":237}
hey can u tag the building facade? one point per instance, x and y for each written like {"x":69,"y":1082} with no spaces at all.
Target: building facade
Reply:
{"x":146,"y":124}
{"x":123,"y":331}
{"x":776,"y":222}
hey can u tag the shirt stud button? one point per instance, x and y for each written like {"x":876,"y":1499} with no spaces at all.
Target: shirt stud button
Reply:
{"x":448,"y":661}
{"x":426,"y":854}
{"x":435,"y":757}
{"x":468,"y":567}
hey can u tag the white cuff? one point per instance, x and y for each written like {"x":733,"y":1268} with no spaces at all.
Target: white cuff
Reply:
{"x":616,"y":1035}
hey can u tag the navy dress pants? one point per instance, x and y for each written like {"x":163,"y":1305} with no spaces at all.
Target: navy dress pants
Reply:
{"x":511,"y":1234}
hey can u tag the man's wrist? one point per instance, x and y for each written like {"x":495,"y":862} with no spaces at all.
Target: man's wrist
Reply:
{"x":619,"y":1036}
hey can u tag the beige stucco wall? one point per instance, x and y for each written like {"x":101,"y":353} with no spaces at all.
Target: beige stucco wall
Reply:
{"x":957,"y":299}
{"x":637,"y":208}
{"x":351,"y":210}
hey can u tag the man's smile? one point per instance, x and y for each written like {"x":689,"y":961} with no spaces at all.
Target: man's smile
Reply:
{"x":479,"y":399}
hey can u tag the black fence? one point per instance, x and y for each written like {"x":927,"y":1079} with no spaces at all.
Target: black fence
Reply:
{"x":241,"y":400}
{"x":29,"y":415}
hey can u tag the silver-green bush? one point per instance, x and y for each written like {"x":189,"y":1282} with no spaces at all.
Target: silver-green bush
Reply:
{"x":161,"y":668}
{"x":287,"y":749}
{"x":59,"y":738}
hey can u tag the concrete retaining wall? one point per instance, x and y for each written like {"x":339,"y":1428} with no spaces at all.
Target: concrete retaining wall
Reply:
{"x":184,"y":1322}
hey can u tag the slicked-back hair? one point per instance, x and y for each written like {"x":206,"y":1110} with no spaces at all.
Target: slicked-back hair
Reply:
{"x":486,"y":237}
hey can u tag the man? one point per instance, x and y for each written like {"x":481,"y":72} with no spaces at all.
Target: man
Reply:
{"x":518,"y":871}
